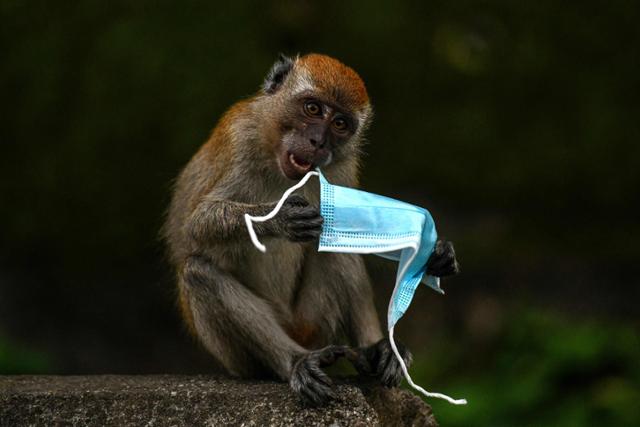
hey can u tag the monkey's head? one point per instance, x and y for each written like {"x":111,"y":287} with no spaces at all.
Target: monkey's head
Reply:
{"x":319,"y":109}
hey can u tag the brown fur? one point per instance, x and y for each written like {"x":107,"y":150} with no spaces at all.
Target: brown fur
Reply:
{"x":331,"y":74}
{"x":258,"y":313}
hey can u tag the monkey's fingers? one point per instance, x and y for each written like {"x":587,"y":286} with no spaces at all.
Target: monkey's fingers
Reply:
{"x":383,"y":356}
{"x":311,"y":383}
{"x":315,"y":393}
{"x":304,"y":231}
{"x":353,"y":354}
{"x":303,"y":237}
{"x":443,"y":260}
{"x":296,"y":200}
{"x":444,"y":267}
{"x":328,"y":355}
{"x":305,"y":224}
{"x":307,"y":391}
{"x":391,"y":375}
{"x":305,"y":212}
{"x":320,"y":376}
{"x":360,"y":360}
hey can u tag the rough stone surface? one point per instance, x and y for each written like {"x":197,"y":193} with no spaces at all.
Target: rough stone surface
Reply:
{"x":169,"y":400}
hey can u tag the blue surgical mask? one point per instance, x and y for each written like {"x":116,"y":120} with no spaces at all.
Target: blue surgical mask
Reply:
{"x":359,"y":222}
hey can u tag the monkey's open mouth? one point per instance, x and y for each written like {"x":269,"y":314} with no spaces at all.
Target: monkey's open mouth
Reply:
{"x":300,"y":165}
{"x":294,"y":166}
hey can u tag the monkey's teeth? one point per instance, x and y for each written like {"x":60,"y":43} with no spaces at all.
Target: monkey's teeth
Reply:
{"x":298,"y":165}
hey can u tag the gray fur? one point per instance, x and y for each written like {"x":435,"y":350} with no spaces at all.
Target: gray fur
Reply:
{"x":248,"y":308}
{"x":272,"y":314}
{"x":277,"y":74}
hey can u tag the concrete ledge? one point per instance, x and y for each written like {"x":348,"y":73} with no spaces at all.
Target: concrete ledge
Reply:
{"x":169,"y":400}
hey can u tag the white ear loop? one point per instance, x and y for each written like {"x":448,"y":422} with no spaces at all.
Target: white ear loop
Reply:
{"x":414,"y":385}
{"x":249,"y":220}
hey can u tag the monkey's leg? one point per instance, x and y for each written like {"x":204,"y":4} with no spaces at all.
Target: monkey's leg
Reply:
{"x":336,"y":297}
{"x":337,"y":293}
{"x":338,"y":283}
{"x":233,"y":322}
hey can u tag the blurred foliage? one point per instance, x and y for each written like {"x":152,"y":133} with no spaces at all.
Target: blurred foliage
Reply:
{"x":18,"y":360}
{"x":520,"y":112}
{"x":540,"y":369}
{"x":515,"y":123}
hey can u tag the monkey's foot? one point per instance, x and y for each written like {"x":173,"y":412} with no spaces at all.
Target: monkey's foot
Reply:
{"x":378,"y":360}
{"x":442,"y":261}
{"x":309,"y":382}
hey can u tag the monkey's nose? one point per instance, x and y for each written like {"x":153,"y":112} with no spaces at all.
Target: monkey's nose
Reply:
{"x":316,"y":143}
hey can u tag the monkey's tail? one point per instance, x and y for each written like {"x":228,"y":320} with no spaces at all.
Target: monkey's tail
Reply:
{"x":414,"y":385}
{"x":249,"y":220}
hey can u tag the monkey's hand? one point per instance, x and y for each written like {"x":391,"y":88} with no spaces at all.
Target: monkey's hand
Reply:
{"x":378,"y":360}
{"x":299,"y":221}
{"x":308,"y":381}
{"x":442,"y":261}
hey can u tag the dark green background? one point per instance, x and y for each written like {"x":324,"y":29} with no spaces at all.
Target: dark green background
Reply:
{"x":515,"y":123}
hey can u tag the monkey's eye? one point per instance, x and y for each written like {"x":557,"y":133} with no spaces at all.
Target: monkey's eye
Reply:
{"x":340,"y":124}
{"x":312,"y":108}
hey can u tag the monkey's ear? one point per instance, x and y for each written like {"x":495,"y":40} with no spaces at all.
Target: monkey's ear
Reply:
{"x":277,"y":74}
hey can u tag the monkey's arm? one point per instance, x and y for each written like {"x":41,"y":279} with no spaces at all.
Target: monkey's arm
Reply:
{"x":219,"y":219}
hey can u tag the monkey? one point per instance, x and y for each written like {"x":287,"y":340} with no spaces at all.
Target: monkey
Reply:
{"x":288,"y":313}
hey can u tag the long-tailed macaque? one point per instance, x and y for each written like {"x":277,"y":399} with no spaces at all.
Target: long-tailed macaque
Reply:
{"x":289,"y":312}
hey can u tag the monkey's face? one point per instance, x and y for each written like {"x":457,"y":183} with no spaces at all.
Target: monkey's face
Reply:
{"x":313,"y":135}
